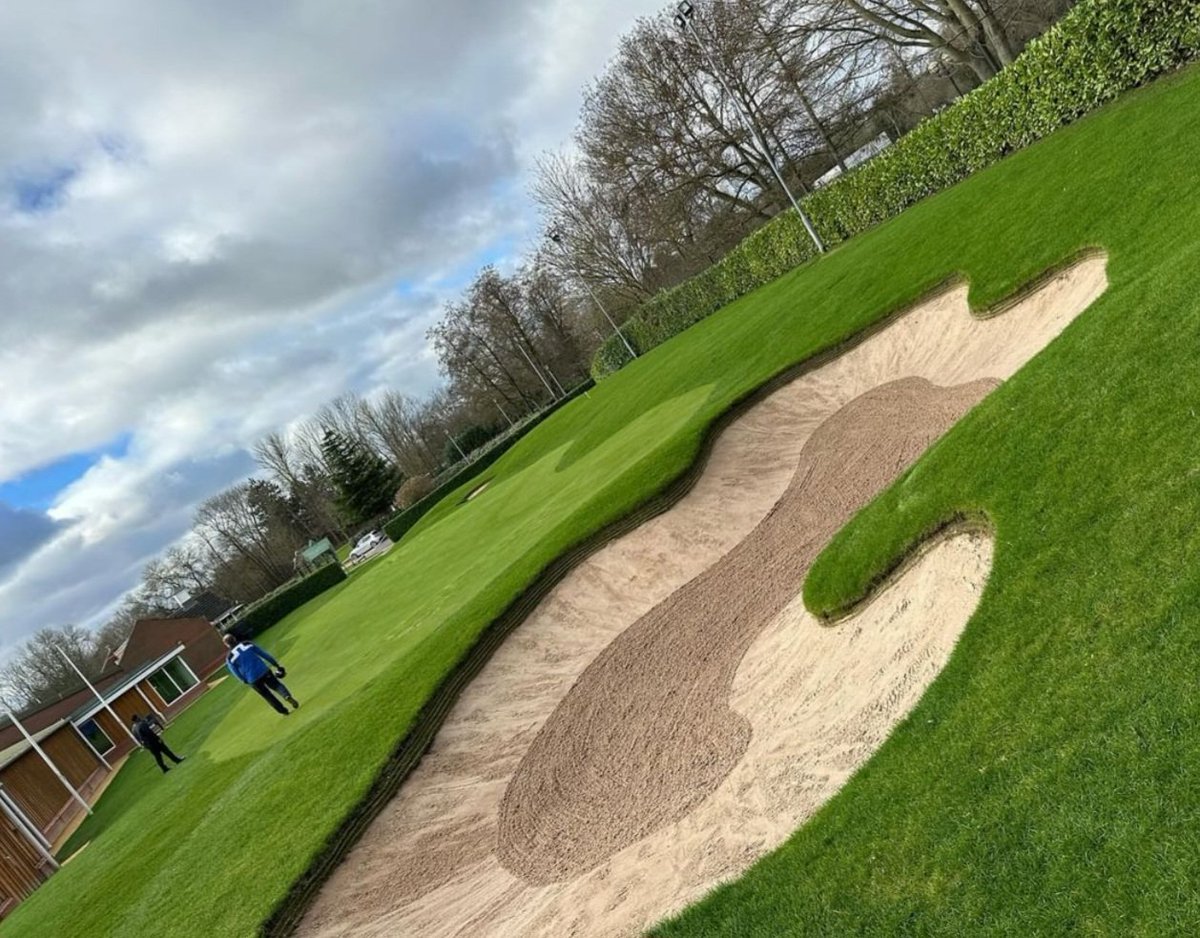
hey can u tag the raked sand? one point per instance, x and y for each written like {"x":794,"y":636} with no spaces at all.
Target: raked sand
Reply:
{"x":670,"y":713}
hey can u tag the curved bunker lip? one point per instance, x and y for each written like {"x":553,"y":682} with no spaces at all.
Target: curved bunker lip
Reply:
{"x":819,"y":700}
{"x":477,"y":491}
{"x":647,"y":732}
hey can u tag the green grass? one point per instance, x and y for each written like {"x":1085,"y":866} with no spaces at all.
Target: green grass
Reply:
{"x":1046,"y":783}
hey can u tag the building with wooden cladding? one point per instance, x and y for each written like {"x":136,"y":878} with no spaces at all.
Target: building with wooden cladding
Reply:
{"x":76,"y":743}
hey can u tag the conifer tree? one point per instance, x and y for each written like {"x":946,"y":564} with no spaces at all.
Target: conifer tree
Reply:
{"x":365,"y":483}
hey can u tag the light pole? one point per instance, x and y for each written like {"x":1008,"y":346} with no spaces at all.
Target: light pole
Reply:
{"x":536,"y":371}
{"x":556,"y":236}
{"x":454,"y":443}
{"x":683,"y":19}
{"x":505,"y":412}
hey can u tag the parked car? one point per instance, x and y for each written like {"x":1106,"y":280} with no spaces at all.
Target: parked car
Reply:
{"x":365,"y":544}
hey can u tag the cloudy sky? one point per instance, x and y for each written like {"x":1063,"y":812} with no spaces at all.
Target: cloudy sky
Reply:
{"x":216,"y":216}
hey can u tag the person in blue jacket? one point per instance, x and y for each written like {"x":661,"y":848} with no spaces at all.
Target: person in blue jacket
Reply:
{"x":251,"y":665}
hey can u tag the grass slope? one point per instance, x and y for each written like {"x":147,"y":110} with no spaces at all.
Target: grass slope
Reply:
{"x":1048,"y":776}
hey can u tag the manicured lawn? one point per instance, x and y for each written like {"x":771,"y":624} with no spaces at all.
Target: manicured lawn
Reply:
{"x":1047,"y":782}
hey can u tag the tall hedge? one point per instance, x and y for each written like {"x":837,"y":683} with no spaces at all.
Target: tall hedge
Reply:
{"x":266,"y":612}
{"x":1099,"y":50}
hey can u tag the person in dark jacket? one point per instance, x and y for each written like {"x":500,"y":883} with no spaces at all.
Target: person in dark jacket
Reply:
{"x":147,"y":730}
{"x":251,"y":665}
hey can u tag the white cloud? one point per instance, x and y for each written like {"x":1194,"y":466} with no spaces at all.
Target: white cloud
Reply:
{"x":205,"y":211}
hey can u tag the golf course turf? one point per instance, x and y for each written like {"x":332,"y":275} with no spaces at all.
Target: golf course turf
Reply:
{"x":1046,"y":783}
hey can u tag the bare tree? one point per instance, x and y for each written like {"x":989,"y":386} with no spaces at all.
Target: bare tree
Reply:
{"x":972,"y":33}
{"x":595,"y":226}
{"x":37,"y":674}
{"x":301,"y":473}
{"x":183,"y":567}
{"x":391,"y":421}
{"x":237,"y":523}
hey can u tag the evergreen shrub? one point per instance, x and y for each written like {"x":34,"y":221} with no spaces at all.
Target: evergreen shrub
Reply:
{"x":1099,"y":50}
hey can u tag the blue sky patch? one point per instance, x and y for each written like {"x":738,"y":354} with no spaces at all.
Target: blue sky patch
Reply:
{"x":38,"y":488}
{"x":36,"y":193}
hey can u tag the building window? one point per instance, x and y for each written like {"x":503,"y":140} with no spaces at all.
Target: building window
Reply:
{"x":97,"y":737}
{"x":173,"y":680}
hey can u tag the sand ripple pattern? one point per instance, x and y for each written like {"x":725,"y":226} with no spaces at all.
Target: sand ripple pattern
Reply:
{"x":647,"y":733}
{"x":820,"y":700}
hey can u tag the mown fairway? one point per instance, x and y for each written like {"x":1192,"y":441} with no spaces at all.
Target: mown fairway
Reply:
{"x":1048,"y":780}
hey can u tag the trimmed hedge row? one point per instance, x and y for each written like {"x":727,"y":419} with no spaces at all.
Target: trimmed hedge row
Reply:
{"x":266,"y":612}
{"x":1099,"y":50}
{"x":402,"y":522}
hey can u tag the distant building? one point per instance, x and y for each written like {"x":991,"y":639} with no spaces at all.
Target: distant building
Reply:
{"x":207,"y":605}
{"x":316,"y":554}
{"x":859,"y":156}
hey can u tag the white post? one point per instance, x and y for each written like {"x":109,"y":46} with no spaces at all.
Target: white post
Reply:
{"x":19,"y":821}
{"x":138,"y":688}
{"x":454,"y":443}
{"x":505,"y":412}
{"x":24,"y":818}
{"x":87,"y":742}
{"x":553,"y":396}
{"x":99,"y":697}
{"x":45,"y":758}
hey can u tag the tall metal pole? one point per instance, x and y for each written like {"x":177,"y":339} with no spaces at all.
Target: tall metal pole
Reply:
{"x":557,"y":239}
{"x":683,"y":19}
{"x":45,"y":758}
{"x":504,"y":412}
{"x":454,"y":443}
{"x":553,"y":377}
{"x":553,"y":395}
{"x":99,"y":696}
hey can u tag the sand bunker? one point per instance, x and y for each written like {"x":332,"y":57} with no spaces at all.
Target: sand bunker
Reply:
{"x":804,"y":706}
{"x":646,"y":733}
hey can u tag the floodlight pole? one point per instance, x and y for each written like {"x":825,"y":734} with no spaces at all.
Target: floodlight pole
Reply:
{"x":454,"y":443}
{"x":505,"y":413}
{"x":553,"y":377}
{"x":49,"y":763}
{"x":684,"y":20}
{"x":556,"y":237}
{"x":99,"y":697}
{"x":536,"y":371}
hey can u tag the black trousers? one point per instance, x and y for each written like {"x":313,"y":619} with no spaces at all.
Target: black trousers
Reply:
{"x":268,"y":683}
{"x":162,"y":749}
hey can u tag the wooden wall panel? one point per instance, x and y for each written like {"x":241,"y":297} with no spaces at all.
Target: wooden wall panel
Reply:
{"x":20,"y":864}
{"x":72,"y":755}
{"x":35,"y":788}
